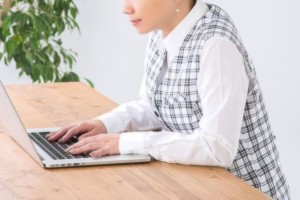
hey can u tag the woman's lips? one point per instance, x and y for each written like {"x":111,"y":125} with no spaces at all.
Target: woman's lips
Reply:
{"x":135,"y":22}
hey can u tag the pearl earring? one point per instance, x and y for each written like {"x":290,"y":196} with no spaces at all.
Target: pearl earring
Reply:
{"x":177,"y":9}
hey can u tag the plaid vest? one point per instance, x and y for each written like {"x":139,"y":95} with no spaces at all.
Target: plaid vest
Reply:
{"x":177,"y":104}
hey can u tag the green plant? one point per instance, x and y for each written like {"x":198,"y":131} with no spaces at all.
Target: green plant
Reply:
{"x":30,"y":35}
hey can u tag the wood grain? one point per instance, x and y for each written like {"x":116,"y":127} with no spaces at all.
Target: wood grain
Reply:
{"x":58,"y":104}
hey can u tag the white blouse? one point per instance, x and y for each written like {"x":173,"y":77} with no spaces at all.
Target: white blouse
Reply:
{"x":222,"y":87}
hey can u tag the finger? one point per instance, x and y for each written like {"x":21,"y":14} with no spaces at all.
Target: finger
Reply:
{"x":78,"y":129}
{"x":88,"y":134}
{"x":54,"y":136}
{"x":85,"y":148}
{"x":98,"y":153}
{"x":102,"y":152}
{"x":52,"y":133}
{"x":80,"y":144}
{"x":59,"y":133}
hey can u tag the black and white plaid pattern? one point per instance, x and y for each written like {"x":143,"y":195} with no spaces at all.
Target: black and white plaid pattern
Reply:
{"x":177,"y":104}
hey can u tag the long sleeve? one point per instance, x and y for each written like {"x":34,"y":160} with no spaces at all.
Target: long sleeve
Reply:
{"x":223,"y":87}
{"x":131,"y":116}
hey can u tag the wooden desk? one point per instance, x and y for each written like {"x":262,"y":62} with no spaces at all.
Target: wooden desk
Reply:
{"x":47,"y":105}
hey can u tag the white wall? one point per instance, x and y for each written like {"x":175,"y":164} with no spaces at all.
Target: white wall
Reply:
{"x":111,"y":55}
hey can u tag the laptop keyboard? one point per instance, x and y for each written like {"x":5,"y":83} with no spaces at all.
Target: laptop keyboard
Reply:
{"x":54,"y":149}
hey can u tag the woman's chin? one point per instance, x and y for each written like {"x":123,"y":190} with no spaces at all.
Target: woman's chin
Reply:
{"x":143,"y":31}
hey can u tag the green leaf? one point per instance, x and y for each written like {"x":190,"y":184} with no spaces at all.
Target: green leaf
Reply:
{"x":22,"y":63}
{"x":75,"y":25}
{"x":74,"y":77}
{"x":17,"y":17}
{"x":4,"y":15}
{"x":2,"y":37}
{"x":48,"y":73}
{"x":35,"y":73}
{"x":29,"y":57}
{"x":47,"y":22}
{"x":5,"y":61}
{"x":27,"y":69}
{"x":74,"y":12}
{"x":56,"y":59}
{"x":60,"y":25}
{"x":59,"y":42}
{"x":70,"y":61}
{"x":21,"y":73}
{"x":90,"y":83}
{"x":18,"y":38}
{"x":40,"y":57}
{"x":70,"y":77}
{"x":11,"y":47}
{"x":34,"y":43}
{"x":5,"y":26}
{"x":39,"y":23}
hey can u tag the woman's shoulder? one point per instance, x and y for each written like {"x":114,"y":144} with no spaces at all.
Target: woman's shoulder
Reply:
{"x":216,"y":23}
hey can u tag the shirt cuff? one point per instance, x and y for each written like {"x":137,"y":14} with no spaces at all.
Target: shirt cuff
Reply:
{"x":112,"y":122}
{"x":132,"y":143}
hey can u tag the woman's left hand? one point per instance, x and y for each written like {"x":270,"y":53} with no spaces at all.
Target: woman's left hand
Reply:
{"x":97,"y":146}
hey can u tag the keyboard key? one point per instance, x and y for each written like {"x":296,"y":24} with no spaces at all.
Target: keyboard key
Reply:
{"x":54,"y":149}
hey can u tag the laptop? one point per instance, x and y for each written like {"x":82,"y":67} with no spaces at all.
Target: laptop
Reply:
{"x":51,"y":154}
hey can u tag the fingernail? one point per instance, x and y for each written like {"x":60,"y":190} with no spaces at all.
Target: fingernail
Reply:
{"x":61,"y":140}
{"x":72,"y":151}
{"x":68,"y":149}
{"x":92,"y":154}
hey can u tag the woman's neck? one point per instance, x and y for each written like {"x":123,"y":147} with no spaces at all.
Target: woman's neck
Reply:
{"x":184,"y":8}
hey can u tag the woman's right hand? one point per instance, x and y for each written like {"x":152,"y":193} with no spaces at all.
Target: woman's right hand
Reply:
{"x":82,"y":129}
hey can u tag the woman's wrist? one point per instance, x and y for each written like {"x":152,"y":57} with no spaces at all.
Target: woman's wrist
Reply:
{"x":102,"y":126}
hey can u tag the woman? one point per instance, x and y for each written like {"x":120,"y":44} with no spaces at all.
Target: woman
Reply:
{"x":200,"y":103}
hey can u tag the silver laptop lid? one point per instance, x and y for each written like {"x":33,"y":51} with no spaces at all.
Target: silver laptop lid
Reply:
{"x":13,"y":124}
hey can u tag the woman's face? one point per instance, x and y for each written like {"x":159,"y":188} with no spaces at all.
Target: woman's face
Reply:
{"x":149,"y":15}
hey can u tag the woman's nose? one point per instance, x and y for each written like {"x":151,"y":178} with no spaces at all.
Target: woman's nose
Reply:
{"x":127,"y":8}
